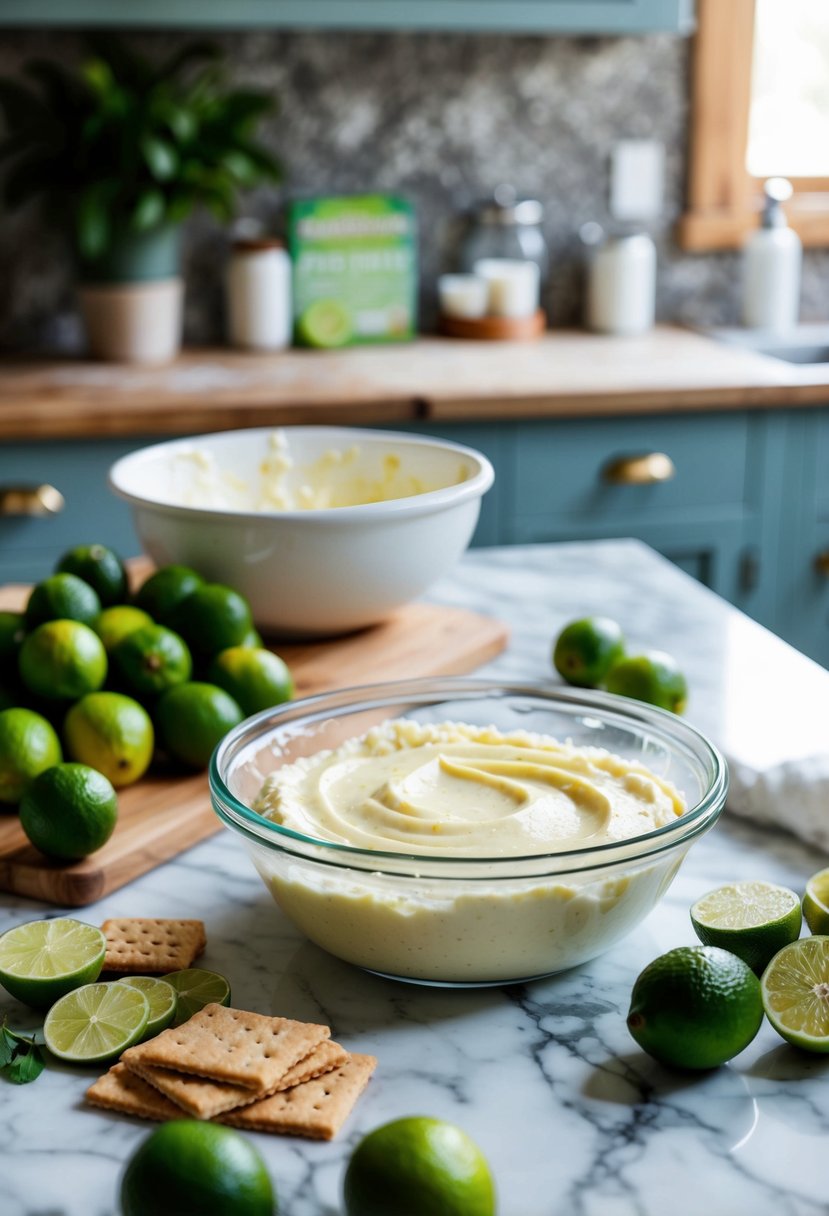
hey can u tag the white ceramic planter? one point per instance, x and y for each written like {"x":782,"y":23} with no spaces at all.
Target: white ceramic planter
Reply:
{"x":134,"y":322}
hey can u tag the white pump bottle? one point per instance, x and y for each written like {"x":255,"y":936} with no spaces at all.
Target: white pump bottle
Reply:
{"x":771,"y":265}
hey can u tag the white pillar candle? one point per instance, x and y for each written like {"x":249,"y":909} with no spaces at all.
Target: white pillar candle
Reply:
{"x":462,"y":295}
{"x":513,"y":286}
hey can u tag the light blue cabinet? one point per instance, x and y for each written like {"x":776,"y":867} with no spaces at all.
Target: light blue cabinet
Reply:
{"x":803,"y":590}
{"x":506,"y":16}
{"x":718,"y":516}
{"x":78,"y":469}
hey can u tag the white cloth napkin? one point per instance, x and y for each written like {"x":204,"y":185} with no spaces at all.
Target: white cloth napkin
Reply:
{"x":775,"y":734}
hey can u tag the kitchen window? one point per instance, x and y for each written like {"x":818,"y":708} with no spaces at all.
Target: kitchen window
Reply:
{"x":759,"y":108}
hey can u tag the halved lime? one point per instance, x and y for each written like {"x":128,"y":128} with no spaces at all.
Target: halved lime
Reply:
{"x":196,"y":988}
{"x":750,"y":919}
{"x":816,"y":902}
{"x":161,"y":997}
{"x":795,"y":988}
{"x":96,"y":1023}
{"x":44,"y":959}
{"x":325,"y":323}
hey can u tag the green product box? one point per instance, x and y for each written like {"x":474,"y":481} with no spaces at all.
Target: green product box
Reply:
{"x":354,"y":270}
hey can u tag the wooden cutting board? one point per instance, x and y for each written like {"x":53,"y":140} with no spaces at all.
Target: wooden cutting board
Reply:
{"x":165,"y":813}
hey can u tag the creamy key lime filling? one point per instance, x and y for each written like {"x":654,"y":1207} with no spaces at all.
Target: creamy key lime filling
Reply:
{"x":466,"y":791}
{"x":346,"y":477}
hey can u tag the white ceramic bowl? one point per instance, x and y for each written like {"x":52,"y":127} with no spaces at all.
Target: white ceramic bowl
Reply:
{"x":310,"y":572}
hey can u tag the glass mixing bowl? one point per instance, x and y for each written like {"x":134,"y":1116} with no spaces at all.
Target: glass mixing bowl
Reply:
{"x":461,"y":920}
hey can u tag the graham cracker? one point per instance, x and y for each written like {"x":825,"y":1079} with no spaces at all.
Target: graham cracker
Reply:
{"x":137,"y":945}
{"x":230,"y":1045}
{"x":121,"y":1090}
{"x":205,"y":1099}
{"x":317,"y":1109}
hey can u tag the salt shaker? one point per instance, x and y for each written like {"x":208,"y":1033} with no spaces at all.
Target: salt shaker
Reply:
{"x":258,"y":288}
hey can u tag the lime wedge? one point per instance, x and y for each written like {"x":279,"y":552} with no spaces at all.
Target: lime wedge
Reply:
{"x":161,"y":998}
{"x":750,"y":919}
{"x":95,"y":1023}
{"x":44,"y":959}
{"x":196,"y":988}
{"x":816,"y":902}
{"x":795,"y":988}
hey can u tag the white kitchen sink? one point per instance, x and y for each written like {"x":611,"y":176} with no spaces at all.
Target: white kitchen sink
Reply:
{"x":805,"y":344}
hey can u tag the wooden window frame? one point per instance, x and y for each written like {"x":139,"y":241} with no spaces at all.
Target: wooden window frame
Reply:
{"x":723,"y":199}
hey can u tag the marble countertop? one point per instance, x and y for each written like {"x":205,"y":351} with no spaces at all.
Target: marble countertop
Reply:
{"x":574,"y":1119}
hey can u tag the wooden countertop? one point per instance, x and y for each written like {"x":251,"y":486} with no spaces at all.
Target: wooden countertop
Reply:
{"x":565,"y":374}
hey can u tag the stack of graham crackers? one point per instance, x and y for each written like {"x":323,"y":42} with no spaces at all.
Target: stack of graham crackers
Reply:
{"x":248,"y":1070}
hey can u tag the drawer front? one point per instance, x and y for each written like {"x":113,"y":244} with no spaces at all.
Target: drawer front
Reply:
{"x":587,"y":472}
{"x":90,"y":512}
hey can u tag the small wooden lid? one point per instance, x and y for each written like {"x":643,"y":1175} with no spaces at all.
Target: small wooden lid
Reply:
{"x":495,"y":329}
{"x":255,"y":244}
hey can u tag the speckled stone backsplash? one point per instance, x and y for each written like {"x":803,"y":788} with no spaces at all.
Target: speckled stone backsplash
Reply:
{"x":441,"y":119}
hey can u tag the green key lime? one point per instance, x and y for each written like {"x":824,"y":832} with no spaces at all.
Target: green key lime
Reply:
{"x":653,"y":677}
{"x":98,"y":566}
{"x":252,"y":638}
{"x":163,"y":591}
{"x":695,"y":1007}
{"x":255,"y":678}
{"x":62,"y":597}
{"x":113,"y":734}
{"x":119,"y":622}
{"x":63,"y":660}
{"x":816,"y":902}
{"x":69,"y":811}
{"x":751,"y":919}
{"x":161,"y":998}
{"x":325,"y":323}
{"x":28,"y":746}
{"x":96,"y":1023}
{"x":152,"y":659}
{"x":212,"y":618}
{"x":193,"y":718}
{"x":418,"y":1167}
{"x":44,"y":959}
{"x":195,"y":988}
{"x":795,"y":988}
{"x":187,"y":1168}
{"x":585,"y":650}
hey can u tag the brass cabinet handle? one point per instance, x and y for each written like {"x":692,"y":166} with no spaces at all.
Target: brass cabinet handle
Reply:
{"x":30,"y":500}
{"x":644,"y":470}
{"x":822,"y":563}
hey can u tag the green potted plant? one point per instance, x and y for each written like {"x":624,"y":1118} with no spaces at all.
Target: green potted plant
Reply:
{"x":119,"y":151}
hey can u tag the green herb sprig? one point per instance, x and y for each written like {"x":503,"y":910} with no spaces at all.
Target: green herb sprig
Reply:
{"x":21,"y":1059}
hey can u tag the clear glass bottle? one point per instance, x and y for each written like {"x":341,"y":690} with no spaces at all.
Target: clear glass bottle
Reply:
{"x":506,"y":226}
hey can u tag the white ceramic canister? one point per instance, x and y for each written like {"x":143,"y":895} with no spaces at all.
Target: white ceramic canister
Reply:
{"x":621,"y":285}
{"x":259,"y":294}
